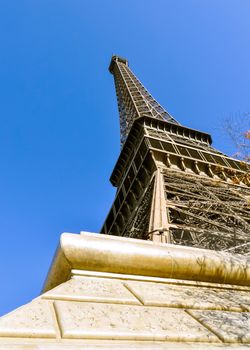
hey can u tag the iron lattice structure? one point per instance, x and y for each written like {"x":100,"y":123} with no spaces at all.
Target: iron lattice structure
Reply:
{"x":172,"y":185}
{"x":134,"y":100}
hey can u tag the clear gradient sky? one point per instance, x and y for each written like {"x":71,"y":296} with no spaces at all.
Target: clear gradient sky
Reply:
{"x":59,"y":130}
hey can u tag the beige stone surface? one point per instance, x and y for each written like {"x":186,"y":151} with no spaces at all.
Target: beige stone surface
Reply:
{"x":32,"y":320}
{"x":93,"y":289}
{"x":128,"y":299}
{"x":240,"y":297}
{"x":114,"y":321}
{"x":122,"y":346}
{"x":228,"y":326}
{"x":189,"y":296}
{"x":173,"y":281}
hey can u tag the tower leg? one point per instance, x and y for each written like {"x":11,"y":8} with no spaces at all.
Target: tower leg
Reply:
{"x":160,"y":236}
{"x":159,"y":224}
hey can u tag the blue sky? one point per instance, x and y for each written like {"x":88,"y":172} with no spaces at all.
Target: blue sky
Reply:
{"x":59,"y":131}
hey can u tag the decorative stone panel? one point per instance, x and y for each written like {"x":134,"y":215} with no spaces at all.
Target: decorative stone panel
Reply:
{"x":231,"y":327}
{"x":32,"y":320}
{"x":93,"y":289}
{"x":113,"y":321}
{"x":189,"y":296}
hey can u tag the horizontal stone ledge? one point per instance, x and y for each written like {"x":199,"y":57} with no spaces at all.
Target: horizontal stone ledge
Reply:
{"x":105,"y":253}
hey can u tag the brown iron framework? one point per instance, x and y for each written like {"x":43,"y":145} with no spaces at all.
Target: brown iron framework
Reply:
{"x":207,"y":213}
{"x":133,"y":99}
{"x":172,"y":185}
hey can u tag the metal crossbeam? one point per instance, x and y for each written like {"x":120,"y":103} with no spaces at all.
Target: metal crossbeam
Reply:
{"x":208,"y":214}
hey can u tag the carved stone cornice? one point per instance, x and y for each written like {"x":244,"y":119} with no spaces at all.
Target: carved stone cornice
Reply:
{"x":105,"y":253}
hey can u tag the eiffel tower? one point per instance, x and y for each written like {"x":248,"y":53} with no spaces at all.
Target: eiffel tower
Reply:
{"x":172,"y":185}
{"x":104,"y":292}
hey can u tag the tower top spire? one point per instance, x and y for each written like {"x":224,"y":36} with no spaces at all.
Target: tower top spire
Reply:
{"x":114,"y":59}
{"x":134,"y":100}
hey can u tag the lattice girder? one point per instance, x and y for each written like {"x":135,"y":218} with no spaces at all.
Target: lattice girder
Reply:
{"x":216,"y":216}
{"x":134,"y":100}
